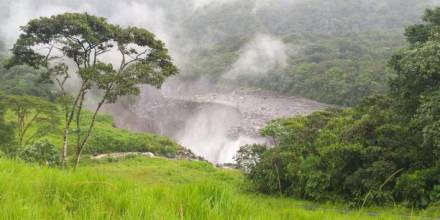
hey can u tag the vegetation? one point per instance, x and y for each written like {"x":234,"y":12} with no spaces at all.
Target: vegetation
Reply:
{"x":40,"y":108}
{"x":23,"y":80}
{"x":105,"y":139}
{"x":153,"y":189}
{"x":84,"y":39}
{"x":41,"y":152}
{"x":7,"y":135}
{"x":383,"y":150}
{"x":30,"y":110}
{"x":337,"y":69}
{"x":337,"y":51}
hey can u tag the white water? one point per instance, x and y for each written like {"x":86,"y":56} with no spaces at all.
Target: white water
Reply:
{"x":213,"y":121}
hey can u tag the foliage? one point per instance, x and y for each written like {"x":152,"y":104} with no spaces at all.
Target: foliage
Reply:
{"x":248,"y":156}
{"x":336,"y":51}
{"x":41,"y":152}
{"x":417,"y":67}
{"x":31,"y":110}
{"x":22,"y":80}
{"x":419,"y":188}
{"x":338,"y":155}
{"x":106,"y":139}
{"x":6,"y":131}
{"x":334,"y":68}
{"x":83,"y":39}
{"x":383,"y":150}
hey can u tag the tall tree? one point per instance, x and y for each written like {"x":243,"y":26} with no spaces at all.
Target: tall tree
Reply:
{"x":29,"y":111}
{"x":417,"y":68}
{"x":83,"y":39}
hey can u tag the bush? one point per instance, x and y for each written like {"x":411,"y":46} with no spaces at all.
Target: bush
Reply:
{"x":345,"y":155}
{"x":107,"y":139}
{"x":276,"y":173}
{"x":248,"y":156}
{"x":117,"y":140}
{"x":41,"y":152}
{"x":420,"y":188}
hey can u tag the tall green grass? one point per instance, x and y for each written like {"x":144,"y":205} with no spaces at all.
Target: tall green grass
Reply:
{"x":143,"y":189}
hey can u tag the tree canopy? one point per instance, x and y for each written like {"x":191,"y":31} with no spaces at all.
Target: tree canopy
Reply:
{"x":77,"y":43}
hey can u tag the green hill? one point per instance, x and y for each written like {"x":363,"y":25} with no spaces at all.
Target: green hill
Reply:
{"x":107,"y":138}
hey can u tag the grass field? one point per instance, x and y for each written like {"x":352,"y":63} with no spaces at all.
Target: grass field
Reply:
{"x":154,"y":188}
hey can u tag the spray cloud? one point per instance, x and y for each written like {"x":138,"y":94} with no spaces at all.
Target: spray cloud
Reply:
{"x":260,"y":55}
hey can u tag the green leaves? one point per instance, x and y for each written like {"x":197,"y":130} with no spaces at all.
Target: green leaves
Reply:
{"x":249,"y":156}
{"x":42,"y":152}
{"x":338,"y":154}
{"x":83,"y":39}
{"x":30,"y":111}
{"x":385,"y":149}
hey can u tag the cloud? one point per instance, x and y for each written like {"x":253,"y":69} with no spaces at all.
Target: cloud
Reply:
{"x":18,"y":13}
{"x":198,"y":4}
{"x":259,"y":56}
{"x":257,"y":4}
{"x":138,"y":14}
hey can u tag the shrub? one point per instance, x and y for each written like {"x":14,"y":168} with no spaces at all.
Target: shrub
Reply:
{"x":347,"y":155}
{"x":107,"y":139}
{"x":419,"y":188}
{"x":41,"y":152}
{"x":276,"y":173}
{"x":248,"y":156}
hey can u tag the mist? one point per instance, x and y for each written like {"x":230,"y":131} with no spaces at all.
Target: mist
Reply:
{"x":260,"y":55}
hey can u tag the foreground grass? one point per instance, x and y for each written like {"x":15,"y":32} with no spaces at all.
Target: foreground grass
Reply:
{"x":143,"y":188}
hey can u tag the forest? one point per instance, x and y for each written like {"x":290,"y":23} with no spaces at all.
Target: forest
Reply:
{"x":382,"y":150}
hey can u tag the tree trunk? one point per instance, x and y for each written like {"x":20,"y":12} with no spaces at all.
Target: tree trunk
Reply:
{"x":78,"y":120}
{"x":89,"y":131}
{"x":274,"y":140}
{"x":69,"y":118}
{"x":66,"y":134}
{"x":279,"y":180}
{"x":20,"y":122}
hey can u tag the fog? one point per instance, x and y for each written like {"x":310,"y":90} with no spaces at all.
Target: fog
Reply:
{"x":209,"y":127}
{"x":260,"y":55}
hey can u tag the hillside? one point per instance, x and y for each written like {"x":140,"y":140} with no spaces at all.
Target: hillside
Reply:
{"x":106,"y":138}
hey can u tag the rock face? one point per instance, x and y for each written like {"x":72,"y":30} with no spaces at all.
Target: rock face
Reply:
{"x":118,"y":155}
{"x":213,"y":122}
{"x":183,"y":153}
{"x":187,"y":154}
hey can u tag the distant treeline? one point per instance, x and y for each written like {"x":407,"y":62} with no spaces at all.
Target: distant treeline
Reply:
{"x":340,"y":49}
